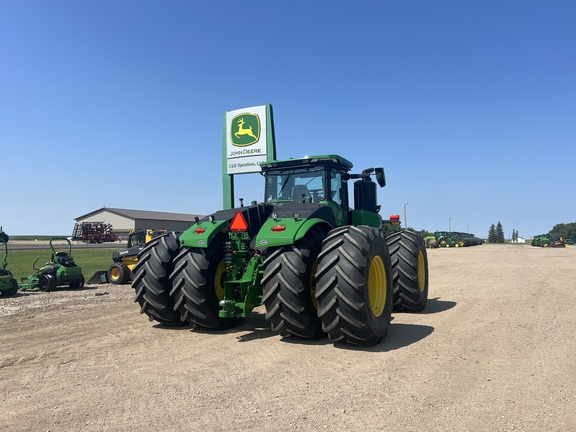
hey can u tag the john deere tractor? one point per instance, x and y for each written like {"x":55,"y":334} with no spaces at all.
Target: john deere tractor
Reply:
{"x":60,"y":270}
{"x":8,"y":285}
{"x":319,"y":266}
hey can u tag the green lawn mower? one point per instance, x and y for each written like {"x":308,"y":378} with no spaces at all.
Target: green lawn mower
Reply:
{"x":8,"y":285}
{"x":61,"y":270}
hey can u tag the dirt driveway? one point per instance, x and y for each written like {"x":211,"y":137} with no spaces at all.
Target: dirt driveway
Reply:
{"x":495,"y":350}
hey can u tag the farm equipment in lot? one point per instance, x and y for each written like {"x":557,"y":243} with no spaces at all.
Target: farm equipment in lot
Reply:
{"x":8,"y":285}
{"x":316,"y":264}
{"x":545,"y":240}
{"x":456,"y":239}
{"x":60,"y":270}
{"x":94,"y":232}
{"x":120,"y":272}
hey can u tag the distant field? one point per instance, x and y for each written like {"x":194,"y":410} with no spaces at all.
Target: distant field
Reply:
{"x":37,"y":237}
{"x":91,"y":260}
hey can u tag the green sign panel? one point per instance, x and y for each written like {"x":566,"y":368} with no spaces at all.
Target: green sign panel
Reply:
{"x":245,"y":130}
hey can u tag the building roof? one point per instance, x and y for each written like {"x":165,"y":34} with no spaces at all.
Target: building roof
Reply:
{"x":144,"y":214}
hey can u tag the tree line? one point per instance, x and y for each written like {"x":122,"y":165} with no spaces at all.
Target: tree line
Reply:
{"x":566,"y":231}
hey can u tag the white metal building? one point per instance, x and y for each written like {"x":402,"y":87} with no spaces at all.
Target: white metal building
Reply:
{"x":123,"y":220}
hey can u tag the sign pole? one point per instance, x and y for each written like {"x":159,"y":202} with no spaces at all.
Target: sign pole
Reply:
{"x":248,"y":140}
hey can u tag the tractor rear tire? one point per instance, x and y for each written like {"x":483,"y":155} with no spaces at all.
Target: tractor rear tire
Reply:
{"x":151,"y":279}
{"x":197,"y":285}
{"x":118,"y":273}
{"x":409,"y":270}
{"x":288,"y":288}
{"x":354,"y":285}
{"x":47,"y":283}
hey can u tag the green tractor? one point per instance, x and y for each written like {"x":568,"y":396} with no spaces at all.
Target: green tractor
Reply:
{"x":60,"y":270}
{"x":8,"y":285}
{"x":446,"y":239}
{"x":319,"y":266}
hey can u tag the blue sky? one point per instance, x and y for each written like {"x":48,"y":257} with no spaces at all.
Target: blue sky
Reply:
{"x":469,"y":106}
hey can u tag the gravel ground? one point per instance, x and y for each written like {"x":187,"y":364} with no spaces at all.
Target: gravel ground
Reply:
{"x":493,"y":351}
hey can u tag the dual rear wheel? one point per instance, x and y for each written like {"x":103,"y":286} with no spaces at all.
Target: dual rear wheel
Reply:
{"x":343,"y":284}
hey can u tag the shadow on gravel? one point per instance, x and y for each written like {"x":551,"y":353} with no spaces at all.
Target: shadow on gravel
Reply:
{"x":433,"y":306}
{"x":183,"y":326}
{"x":399,"y":336}
{"x":255,"y":327}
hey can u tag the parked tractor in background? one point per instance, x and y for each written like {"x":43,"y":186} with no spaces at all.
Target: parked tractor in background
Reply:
{"x":120,"y":272}
{"x":546,"y":240}
{"x":60,"y":270}
{"x":319,"y":266}
{"x":8,"y":285}
{"x":456,"y":239}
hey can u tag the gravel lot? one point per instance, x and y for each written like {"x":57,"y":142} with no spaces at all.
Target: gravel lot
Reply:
{"x":494,"y":351}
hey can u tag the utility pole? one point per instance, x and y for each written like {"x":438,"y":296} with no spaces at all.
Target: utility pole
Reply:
{"x":450,"y":223}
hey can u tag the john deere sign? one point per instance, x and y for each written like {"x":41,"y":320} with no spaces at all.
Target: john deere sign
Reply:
{"x":247,"y":139}
{"x":245,"y":130}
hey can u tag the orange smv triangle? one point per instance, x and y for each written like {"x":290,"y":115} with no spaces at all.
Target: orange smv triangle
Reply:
{"x":238,"y":223}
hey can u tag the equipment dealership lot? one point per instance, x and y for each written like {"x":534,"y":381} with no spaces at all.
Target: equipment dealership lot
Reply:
{"x":495,"y":350}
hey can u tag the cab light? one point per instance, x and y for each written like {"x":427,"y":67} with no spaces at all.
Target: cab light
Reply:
{"x":200,"y":230}
{"x":278,"y":228}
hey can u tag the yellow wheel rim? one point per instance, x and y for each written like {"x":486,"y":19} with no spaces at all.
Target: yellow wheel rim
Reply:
{"x":377,"y":286}
{"x":219,"y":280}
{"x":313,"y":284}
{"x":421,"y":272}
{"x":115,"y":273}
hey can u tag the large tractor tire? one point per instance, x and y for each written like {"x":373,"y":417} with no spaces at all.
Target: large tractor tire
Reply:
{"x":198,"y":285}
{"x":289,"y":287}
{"x":409,"y":270}
{"x":354,"y":285}
{"x":118,"y":273}
{"x":150,"y":279}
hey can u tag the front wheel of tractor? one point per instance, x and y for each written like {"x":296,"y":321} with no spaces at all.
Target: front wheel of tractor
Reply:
{"x":354,"y":285}
{"x":118,"y":273}
{"x":409,"y":270}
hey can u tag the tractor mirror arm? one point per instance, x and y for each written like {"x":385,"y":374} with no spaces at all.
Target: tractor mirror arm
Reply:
{"x":365,"y":175}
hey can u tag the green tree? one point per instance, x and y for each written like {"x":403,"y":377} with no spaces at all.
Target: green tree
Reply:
{"x":492,"y":234}
{"x":566,"y":231}
{"x":499,"y":233}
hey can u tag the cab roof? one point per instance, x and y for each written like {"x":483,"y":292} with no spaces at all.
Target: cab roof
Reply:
{"x":334,"y":160}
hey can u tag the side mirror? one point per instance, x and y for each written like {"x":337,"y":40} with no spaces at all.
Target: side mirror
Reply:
{"x":380,"y":178}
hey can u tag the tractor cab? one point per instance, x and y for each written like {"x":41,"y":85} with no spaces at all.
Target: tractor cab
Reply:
{"x":323,"y":180}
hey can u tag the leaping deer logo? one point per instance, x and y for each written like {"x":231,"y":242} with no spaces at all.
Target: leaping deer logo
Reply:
{"x":242,"y":131}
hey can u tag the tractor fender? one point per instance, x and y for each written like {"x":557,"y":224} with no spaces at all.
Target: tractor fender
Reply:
{"x":201,"y":234}
{"x":293,"y":230}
